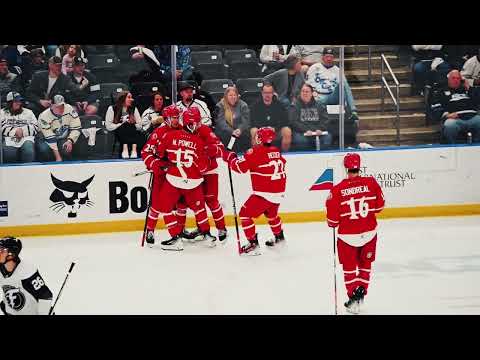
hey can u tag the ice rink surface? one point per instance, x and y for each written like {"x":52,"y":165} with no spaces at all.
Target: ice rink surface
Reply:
{"x":423,"y":266}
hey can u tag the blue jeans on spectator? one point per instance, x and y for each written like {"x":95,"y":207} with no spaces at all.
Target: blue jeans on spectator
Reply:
{"x":45,"y":153}
{"x":23,"y":154}
{"x":334,"y":98}
{"x":423,"y":74}
{"x":453,"y":127}
{"x":301,"y":142}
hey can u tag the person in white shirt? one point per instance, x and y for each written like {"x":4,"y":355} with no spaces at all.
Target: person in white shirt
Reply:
{"x":273,"y":57}
{"x":186,"y":92}
{"x":19,"y":127}
{"x":24,"y":291}
{"x":309,"y":54}
{"x":471,"y":70}
{"x":124,"y":120}
{"x":324,"y":77}
{"x":152,"y":117}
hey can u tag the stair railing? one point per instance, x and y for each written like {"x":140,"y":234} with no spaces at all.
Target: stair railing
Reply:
{"x":395,"y":99}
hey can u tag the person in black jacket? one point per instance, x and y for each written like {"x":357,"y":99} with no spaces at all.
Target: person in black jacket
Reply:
{"x":45,"y":84}
{"x":87,"y":99}
{"x":308,"y":119}
{"x":268,"y":111}
{"x":456,"y":105}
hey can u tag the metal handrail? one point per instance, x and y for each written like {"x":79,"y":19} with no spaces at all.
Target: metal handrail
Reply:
{"x":395,"y":99}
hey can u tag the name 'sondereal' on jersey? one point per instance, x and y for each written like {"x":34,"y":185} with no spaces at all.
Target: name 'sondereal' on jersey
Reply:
{"x":187,"y":158}
{"x":267,"y":171}
{"x":352,"y":205}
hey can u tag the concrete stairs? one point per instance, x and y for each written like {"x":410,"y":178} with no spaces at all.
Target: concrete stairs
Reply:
{"x":377,"y":128}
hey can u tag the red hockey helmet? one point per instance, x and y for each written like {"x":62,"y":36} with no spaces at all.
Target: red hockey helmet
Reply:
{"x":191,"y":119}
{"x":351,"y":161}
{"x":169,"y":113}
{"x":265,"y":135}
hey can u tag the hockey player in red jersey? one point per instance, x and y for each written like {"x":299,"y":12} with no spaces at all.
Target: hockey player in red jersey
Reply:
{"x":150,"y":156}
{"x":351,"y":206}
{"x":210,"y":183}
{"x":267,"y":172}
{"x":188,"y":161}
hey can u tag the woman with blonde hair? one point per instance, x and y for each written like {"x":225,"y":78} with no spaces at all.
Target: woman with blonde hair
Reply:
{"x":233,"y":118}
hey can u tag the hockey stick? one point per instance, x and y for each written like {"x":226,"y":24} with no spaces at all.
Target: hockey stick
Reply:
{"x":229,"y":147}
{"x":335,"y":269}
{"x":141,"y":173}
{"x":150,"y":186}
{"x":60,"y":292}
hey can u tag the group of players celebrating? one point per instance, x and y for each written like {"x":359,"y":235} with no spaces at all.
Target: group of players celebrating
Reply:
{"x":182,"y":154}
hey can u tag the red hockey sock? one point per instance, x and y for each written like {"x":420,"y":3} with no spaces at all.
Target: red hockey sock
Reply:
{"x":350,"y":277}
{"x":363,"y":278}
{"x":171,"y":224}
{"x":275,"y":224}
{"x":202,"y":220}
{"x":152,"y":219}
{"x":217,"y":213}
{"x":248,"y":227}
{"x":181,"y":214}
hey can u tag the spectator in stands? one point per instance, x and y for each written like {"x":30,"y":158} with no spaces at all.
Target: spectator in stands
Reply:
{"x":430,"y":66}
{"x":186,"y":93}
{"x":324,"y":78}
{"x":45,"y":84}
{"x":268,"y":111}
{"x":67,"y":60}
{"x":308,"y":54}
{"x":456,"y":105}
{"x":456,"y":55}
{"x":61,"y":128}
{"x":19,"y":127}
{"x":287,"y":82}
{"x":273,"y":57}
{"x":87,"y":99}
{"x":308,"y":119}
{"x":471,"y":70}
{"x":144,"y":53}
{"x":152,"y":117}
{"x":124,"y":120}
{"x":38,"y":60}
{"x":8,"y":81}
{"x":184,"y":69}
{"x":233,"y":118}
{"x":62,"y":50}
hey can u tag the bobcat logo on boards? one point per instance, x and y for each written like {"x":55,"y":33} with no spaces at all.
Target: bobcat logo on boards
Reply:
{"x":71,"y":195}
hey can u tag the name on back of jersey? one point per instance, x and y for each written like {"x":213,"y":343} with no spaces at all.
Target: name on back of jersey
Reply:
{"x":355,"y":190}
{"x":184,"y":143}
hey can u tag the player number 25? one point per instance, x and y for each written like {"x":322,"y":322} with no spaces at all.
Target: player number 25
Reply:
{"x":362,"y":208}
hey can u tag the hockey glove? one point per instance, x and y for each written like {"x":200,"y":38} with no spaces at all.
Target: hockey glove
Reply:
{"x":228,"y":156}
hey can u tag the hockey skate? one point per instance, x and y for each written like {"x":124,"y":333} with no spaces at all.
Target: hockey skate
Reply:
{"x":210,"y":240}
{"x":222,"y":236}
{"x":192,"y":236}
{"x":173,"y":244}
{"x":250,"y":249}
{"x":150,"y":238}
{"x":356,"y":300}
{"x":360,"y":294}
{"x":279,"y":239}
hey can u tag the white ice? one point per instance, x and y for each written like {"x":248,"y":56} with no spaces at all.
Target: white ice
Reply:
{"x":423,"y":266}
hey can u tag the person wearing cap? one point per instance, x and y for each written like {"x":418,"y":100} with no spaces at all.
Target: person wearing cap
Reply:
{"x":45,"y":84}
{"x":19,"y":127}
{"x":287,"y":82}
{"x":8,"y":80}
{"x":324,"y":77}
{"x":87,"y":99}
{"x":61,"y":126}
{"x":186,"y":90}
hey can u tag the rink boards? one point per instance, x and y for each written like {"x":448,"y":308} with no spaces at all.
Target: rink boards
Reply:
{"x":438,"y":181}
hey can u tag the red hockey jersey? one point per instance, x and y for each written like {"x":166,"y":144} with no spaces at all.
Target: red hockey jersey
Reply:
{"x":186,"y":152}
{"x":150,"y":150}
{"x":352,"y":205}
{"x":213,"y":143}
{"x":267,"y":171}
